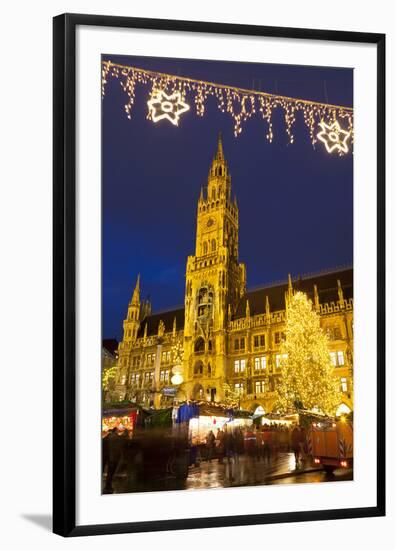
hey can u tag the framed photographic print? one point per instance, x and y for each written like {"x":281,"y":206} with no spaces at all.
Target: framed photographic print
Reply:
{"x":219,"y":275}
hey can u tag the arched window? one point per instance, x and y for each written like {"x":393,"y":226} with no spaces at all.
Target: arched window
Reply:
{"x":213,"y":195}
{"x":205,"y":248}
{"x":199,"y":345}
{"x":198,"y":368}
{"x":213,"y":245}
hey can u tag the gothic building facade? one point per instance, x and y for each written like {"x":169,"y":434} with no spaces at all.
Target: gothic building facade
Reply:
{"x":229,"y":336}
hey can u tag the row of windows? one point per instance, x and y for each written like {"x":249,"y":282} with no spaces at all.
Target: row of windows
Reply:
{"x":213,"y":205}
{"x":259,"y":341}
{"x":260,"y":386}
{"x":333,"y":333}
{"x":148,"y":377}
{"x":136,"y":359}
{"x":260,"y":363}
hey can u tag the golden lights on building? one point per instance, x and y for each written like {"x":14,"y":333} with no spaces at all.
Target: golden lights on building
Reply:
{"x":227,"y":334}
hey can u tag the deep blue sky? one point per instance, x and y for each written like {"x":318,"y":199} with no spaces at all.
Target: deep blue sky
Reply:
{"x":295,"y":202}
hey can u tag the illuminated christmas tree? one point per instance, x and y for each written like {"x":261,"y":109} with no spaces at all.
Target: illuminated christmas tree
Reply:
{"x":108,"y":377}
{"x":307,"y":380}
{"x":231,"y":397}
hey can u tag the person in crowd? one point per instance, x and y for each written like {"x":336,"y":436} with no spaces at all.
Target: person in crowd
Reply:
{"x":210,"y":445}
{"x":115,"y":449}
{"x":105,"y":449}
{"x":239,"y":443}
{"x":267,"y":443}
{"x":220,"y":446}
{"x":250,"y":443}
{"x":250,"y":452}
{"x":229,"y":446}
{"x":295,"y":445}
{"x":259,"y":444}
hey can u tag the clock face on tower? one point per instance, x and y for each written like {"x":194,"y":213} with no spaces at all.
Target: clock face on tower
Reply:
{"x":210,"y":222}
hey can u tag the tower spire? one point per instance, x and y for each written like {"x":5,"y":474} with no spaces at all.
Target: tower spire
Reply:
{"x":136,"y":292}
{"x":220,"y":151}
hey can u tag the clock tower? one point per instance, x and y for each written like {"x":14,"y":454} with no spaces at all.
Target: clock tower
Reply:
{"x":215,"y":282}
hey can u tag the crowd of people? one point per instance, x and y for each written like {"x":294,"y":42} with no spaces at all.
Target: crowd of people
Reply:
{"x":256,"y":442}
{"x":130,"y":452}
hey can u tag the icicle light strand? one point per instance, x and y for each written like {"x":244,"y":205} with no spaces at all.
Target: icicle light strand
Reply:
{"x":240,"y":103}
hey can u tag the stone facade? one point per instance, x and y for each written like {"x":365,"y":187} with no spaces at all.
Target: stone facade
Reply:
{"x":228,"y":334}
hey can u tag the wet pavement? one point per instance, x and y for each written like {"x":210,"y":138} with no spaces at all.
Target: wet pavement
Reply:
{"x":236,"y":472}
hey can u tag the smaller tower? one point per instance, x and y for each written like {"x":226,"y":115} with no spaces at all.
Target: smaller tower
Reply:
{"x":132,"y":322}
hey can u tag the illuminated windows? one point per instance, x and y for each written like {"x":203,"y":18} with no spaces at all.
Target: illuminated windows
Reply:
{"x":240,"y":366}
{"x":164,"y":376}
{"x":343,"y":382}
{"x":239,"y":388}
{"x":259,"y":386}
{"x":337,"y":358}
{"x":166,"y":356}
{"x":259,"y":363}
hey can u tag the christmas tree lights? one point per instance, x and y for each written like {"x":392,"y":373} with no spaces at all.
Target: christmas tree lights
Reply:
{"x":307,"y":380}
{"x":171,"y":92}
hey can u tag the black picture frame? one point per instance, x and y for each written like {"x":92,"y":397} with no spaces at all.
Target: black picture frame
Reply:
{"x":64,"y":273}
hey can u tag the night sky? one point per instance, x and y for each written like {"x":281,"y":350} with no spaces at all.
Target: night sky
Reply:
{"x":295,"y":202}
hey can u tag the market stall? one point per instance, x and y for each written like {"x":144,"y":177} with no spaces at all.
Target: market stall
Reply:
{"x":120,"y":419}
{"x":201,"y":418}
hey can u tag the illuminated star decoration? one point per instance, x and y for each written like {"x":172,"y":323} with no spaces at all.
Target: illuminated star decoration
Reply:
{"x":167,"y":106}
{"x":334,"y":137}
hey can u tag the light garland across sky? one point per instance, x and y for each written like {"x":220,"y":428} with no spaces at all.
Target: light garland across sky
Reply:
{"x":169,"y":95}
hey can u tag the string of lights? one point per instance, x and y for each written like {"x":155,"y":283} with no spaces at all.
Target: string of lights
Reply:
{"x":169,"y":95}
